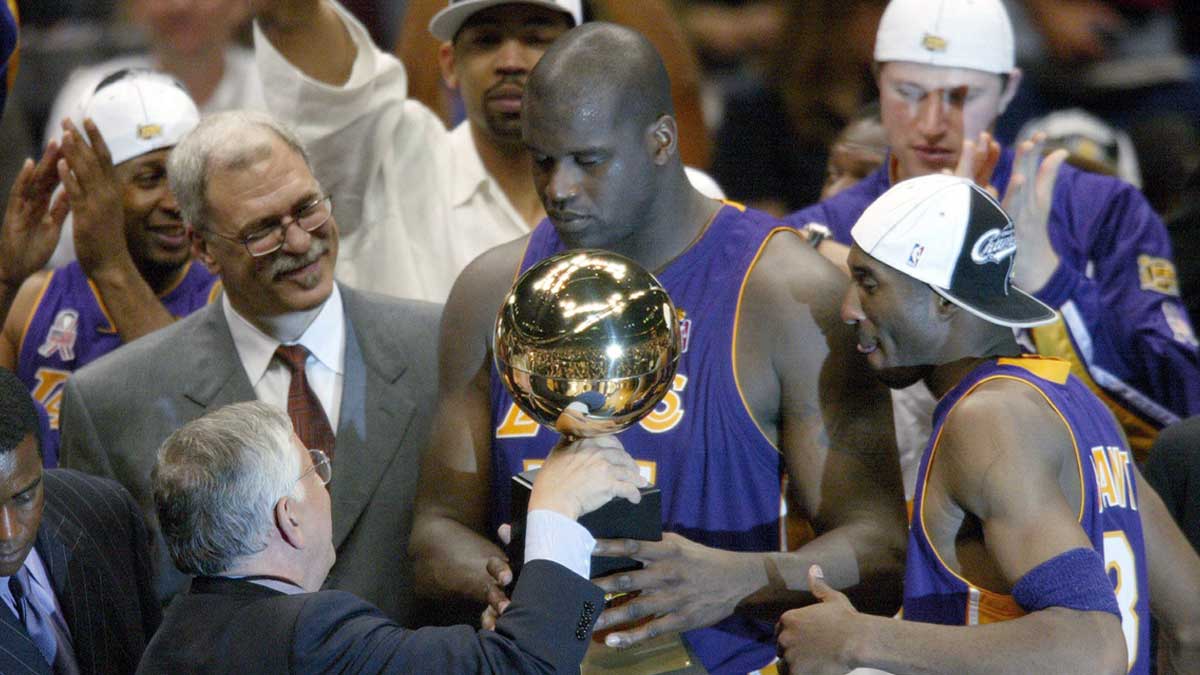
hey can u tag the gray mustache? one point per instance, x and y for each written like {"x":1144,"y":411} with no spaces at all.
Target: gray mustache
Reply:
{"x":284,"y":263}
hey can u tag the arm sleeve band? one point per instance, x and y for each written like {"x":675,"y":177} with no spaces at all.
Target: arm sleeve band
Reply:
{"x":1075,"y":580}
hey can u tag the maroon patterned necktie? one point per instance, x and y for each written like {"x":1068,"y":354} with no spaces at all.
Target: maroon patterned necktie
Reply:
{"x":303,"y":406}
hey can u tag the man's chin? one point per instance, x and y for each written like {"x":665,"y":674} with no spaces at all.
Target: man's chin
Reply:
{"x":902,"y":377}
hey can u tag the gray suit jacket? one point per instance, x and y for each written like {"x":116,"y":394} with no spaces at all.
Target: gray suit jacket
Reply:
{"x":117,"y":411}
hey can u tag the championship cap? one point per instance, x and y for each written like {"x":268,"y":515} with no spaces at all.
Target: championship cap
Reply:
{"x":139,"y":111}
{"x":952,"y":33}
{"x":445,"y":24}
{"x":951,"y":234}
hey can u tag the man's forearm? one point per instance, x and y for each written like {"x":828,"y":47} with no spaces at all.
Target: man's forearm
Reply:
{"x":1052,"y":641}
{"x":312,"y":37}
{"x":869,"y":573}
{"x":450,"y":559}
{"x":134,"y":309}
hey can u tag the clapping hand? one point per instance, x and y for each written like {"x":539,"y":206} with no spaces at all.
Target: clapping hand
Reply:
{"x":92,"y":188}
{"x":32,"y":223}
{"x":1028,"y":202}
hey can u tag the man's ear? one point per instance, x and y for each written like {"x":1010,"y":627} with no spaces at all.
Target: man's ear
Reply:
{"x":1010,"y":90}
{"x":943,"y":308}
{"x":200,"y":251}
{"x":663,"y":139}
{"x":446,"y":64}
{"x":287,"y":522}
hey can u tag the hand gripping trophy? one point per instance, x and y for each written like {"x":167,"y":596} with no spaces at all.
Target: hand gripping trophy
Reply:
{"x":587,"y":343}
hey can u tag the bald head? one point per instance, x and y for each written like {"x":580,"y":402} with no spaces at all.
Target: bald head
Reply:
{"x":601,"y":68}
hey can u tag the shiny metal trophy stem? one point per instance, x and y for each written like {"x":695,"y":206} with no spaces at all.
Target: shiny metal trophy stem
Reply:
{"x":587,"y":343}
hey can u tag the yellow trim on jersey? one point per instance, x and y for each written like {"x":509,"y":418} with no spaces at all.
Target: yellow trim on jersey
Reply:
{"x":14,"y":60}
{"x":1055,"y":340}
{"x":171,"y":289}
{"x":214,"y":292}
{"x":737,"y":317}
{"x":1049,"y":368}
{"x":737,"y":205}
{"x":32,"y":313}
{"x":991,"y":605}
{"x":112,"y":326}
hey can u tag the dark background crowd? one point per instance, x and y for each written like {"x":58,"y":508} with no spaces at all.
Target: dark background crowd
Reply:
{"x":776,"y":106}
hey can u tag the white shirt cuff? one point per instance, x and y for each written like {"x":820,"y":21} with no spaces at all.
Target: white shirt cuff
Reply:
{"x":549,"y":535}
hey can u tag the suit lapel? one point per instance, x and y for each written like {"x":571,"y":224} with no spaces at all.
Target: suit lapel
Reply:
{"x":77,"y":578}
{"x":18,"y":654}
{"x":220,"y":378}
{"x":376,"y":410}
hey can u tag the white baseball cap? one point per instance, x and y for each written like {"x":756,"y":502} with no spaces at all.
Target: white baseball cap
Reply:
{"x":973,"y":34}
{"x":445,"y":24}
{"x":139,"y":111}
{"x":951,"y":234}
{"x":1090,"y":138}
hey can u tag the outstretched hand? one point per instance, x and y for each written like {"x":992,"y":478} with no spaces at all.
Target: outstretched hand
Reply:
{"x":32,"y":223}
{"x":683,"y":586}
{"x":499,"y":577}
{"x":815,"y":639}
{"x":1028,"y":201}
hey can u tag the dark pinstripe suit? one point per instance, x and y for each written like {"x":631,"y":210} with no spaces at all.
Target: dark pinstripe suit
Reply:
{"x":93,"y":542}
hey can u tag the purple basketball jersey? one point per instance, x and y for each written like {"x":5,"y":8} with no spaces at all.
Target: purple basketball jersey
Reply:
{"x":70,"y":327}
{"x":719,"y":476}
{"x":1108,"y":513}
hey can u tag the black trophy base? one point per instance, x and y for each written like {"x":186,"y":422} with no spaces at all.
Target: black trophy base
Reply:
{"x":618,"y":519}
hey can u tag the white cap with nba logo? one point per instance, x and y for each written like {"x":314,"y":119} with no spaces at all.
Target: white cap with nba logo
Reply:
{"x":974,"y":34}
{"x":445,"y":24}
{"x":139,"y":111}
{"x":949,"y":233}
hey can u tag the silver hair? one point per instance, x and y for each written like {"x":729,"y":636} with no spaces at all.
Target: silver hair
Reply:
{"x":224,"y":140}
{"x":217,"y":481}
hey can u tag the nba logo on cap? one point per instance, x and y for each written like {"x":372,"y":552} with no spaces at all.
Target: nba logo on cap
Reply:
{"x":964,"y":243}
{"x":914,"y":256}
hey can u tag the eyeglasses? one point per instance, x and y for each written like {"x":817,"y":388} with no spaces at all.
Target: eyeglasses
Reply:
{"x":266,"y":240}
{"x":320,"y":464}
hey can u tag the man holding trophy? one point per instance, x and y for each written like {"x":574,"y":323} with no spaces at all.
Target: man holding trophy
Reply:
{"x":768,"y":384}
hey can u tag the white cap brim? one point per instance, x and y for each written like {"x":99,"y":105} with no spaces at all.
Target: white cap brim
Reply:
{"x":446,"y":23}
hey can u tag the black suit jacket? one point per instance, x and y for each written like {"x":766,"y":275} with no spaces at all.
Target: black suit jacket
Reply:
{"x":233,"y":626}
{"x":94,"y":544}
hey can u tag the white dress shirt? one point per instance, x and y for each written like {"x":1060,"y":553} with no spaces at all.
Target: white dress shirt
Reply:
{"x":413,"y":201}
{"x":325,"y":340}
{"x":549,"y":535}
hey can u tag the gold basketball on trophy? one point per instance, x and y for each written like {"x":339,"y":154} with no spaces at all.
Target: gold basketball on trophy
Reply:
{"x":587,"y":342}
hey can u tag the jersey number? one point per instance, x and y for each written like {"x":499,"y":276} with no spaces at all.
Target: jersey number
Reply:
{"x":1119,"y":559}
{"x":49,"y":391}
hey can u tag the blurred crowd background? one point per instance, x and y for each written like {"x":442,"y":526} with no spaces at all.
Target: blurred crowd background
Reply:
{"x":763,"y":87}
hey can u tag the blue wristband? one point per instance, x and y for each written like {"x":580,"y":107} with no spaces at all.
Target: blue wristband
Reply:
{"x":1075,"y":580}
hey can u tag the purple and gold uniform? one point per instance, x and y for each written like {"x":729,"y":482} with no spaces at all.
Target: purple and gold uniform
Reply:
{"x":1123,"y":326}
{"x":719,"y":476}
{"x":69,"y":328}
{"x":1107,"y":510}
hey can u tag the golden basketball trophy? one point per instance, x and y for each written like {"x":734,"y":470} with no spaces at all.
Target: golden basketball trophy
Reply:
{"x":587,"y":343}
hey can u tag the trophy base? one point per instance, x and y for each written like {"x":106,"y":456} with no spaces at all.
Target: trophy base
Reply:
{"x":618,"y":519}
{"x":663,"y":655}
